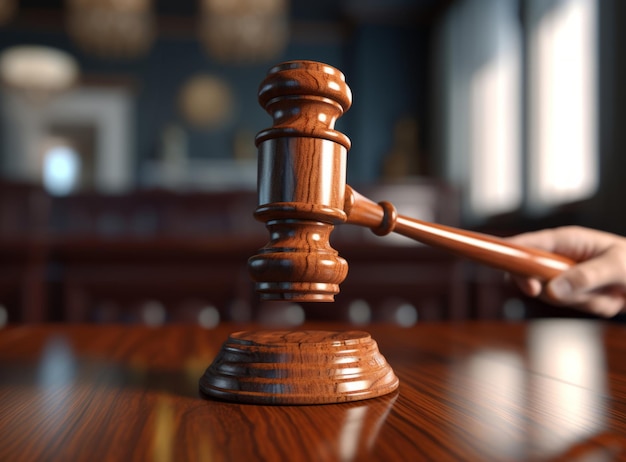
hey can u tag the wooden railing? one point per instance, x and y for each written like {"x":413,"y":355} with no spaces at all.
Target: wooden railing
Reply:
{"x":160,"y":256}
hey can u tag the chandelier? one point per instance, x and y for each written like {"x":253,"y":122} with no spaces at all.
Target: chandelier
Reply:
{"x":244,"y":31}
{"x":38,"y":72}
{"x":112,"y":28}
{"x":7,"y":10}
{"x":206,"y":101}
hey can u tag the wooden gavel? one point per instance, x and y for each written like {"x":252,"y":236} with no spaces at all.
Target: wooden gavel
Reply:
{"x":302,"y":195}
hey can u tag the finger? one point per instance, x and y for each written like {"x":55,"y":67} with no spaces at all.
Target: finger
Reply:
{"x":529,"y":286}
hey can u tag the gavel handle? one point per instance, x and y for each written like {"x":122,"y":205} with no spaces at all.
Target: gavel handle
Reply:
{"x":382,"y":218}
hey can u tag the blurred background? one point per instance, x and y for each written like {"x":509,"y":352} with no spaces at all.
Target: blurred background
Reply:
{"x":128,"y":165}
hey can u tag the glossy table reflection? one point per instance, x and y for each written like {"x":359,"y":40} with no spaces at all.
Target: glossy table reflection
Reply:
{"x":544,"y":390}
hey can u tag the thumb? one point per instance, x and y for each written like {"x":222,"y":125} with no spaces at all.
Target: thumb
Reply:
{"x":575,"y":283}
{"x":606,"y":301}
{"x":561,"y":289}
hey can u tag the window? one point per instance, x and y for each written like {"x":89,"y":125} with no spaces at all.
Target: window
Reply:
{"x":495,"y":124}
{"x":562,"y":161}
{"x":488,"y":111}
{"x":96,"y":121}
{"x":61,"y":170}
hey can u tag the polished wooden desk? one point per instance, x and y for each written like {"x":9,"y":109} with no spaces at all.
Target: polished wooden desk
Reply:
{"x":544,"y":390}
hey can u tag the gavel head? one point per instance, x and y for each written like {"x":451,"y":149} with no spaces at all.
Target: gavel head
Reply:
{"x":301,"y":182}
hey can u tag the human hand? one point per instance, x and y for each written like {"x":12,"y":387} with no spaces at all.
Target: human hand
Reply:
{"x":596,"y":284}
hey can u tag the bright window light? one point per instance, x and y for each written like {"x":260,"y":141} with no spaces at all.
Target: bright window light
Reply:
{"x":563,"y":158}
{"x":481,"y":71}
{"x":496,"y":184}
{"x":61,"y":170}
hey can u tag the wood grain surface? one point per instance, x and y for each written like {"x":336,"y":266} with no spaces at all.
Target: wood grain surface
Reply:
{"x":546,"y":390}
{"x":301,"y":182}
{"x":298,"y":367}
{"x":302,"y":195}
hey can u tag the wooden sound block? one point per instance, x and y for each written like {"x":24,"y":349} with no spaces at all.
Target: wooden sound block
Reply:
{"x":298,"y":367}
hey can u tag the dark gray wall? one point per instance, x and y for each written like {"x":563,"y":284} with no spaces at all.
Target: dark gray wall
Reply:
{"x":385,"y":64}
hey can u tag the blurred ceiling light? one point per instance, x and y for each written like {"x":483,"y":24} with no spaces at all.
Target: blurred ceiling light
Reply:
{"x":206,"y":101}
{"x":7,"y":10}
{"x":244,"y":31}
{"x":112,"y":28}
{"x":37,"y":71}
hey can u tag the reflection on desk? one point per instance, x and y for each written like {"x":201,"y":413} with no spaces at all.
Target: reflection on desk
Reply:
{"x":543,"y":390}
